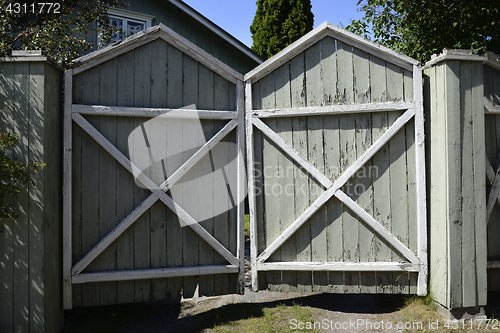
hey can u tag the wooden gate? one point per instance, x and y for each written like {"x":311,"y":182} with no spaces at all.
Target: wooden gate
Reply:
{"x":336,"y":158}
{"x":133,"y":241}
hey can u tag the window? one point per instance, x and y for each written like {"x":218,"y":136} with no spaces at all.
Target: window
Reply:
{"x":128,"y":22}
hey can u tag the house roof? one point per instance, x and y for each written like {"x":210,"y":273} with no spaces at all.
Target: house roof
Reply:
{"x":328,"y":29}
{"x":217,"y":30}
{"x":148,"y":35}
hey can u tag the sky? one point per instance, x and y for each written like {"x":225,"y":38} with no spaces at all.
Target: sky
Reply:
{"x":236,"y":16}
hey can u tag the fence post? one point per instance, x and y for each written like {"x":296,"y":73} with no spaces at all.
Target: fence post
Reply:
{"x":30,"y":247}
{"x":454,"y":114}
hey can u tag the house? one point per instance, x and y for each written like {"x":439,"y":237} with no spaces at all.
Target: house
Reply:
{"x":186,"y":21}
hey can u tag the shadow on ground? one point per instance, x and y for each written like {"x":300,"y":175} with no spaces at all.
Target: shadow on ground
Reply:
{"x":194,"y":317}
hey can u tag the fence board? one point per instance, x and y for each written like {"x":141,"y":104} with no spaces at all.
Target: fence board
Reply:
{"x":158,"y":246}
{"x":363,"y":189}
{"x":399,"y":215}
{"x":90,"y":185}
{"x":206,"y":204}
{"x":285,"y":179}
{"x":107,"y":180}
{"x":7,"y":89}
{"x":142,"y":97}
{"x":125,"y":185}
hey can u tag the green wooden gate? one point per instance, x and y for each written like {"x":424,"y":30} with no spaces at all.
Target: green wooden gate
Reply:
{"x":337,"y":181}
{"x":148,"y":227}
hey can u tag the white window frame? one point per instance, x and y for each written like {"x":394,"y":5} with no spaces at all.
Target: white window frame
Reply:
{"x":126,"y":15}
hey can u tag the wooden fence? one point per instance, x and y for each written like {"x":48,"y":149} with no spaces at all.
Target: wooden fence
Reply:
{"x":337,"y":192}
{"x":30,"y":250}
{"x":127,"y":241}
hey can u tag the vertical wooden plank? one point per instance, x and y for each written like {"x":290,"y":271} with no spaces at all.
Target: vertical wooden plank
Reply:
{"x":158,"y":171}
{"x":332,"y":162}
{"x":454,"y":143}
{"x":107,"y":180}
{"x":7,"y":82}
{"x":90,"y":186}
{"x":302,"y":236}
{"x":206,"y":201}
{"x":142,"y":98}
{"x":221,"y":221}
{"x":468,"y":233}
{"x":258,"y":279}
{"x":285,"y":179}
{"x":479,"y":181}
{"x":21,"y":224}
{"x":67,"y":189}
{"x":363,"y":189}
{"x":173,"y":162}
{"x":314,"y":97}
{"x":241,"y":186}
{"x":270,"y":158}
{"x":124,"y":180}
{"x":76,"y":193}
{"x":348,"y":156}
{"x":412,"y":179}
{"x":38,"y":230}
{"x":381,"y":173}
{"x":398,"y":177}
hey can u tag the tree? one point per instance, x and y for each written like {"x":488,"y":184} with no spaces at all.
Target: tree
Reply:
{"x":420,"y":28}
{"x":60,"y":31}
{"x":13,"y":173}
{"x":279,"y":23}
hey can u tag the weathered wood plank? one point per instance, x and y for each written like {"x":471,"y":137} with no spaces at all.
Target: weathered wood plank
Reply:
{"x":7,"y":103}
{"x":142,"y":97}
{"x":340,"y":266}
{"x":107,"y":180}
{"x":221,"y":221}
{"x":398,"y":173}
{"x":287,"y":216}
{"x":158,"y":172}
{"x":314,"y":97}
{"x":90,"y":185}
{"x":206,"y":183}
{"x":241,"y":186}
{"x":21,"y":127}
{"x":189,"y":201}
{"x":363,"y":190}
{"x":125,"y":181}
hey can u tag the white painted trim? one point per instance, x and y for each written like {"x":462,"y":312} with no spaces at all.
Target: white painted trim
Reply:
{"x":130,"y":14}
{"x":114,"y":234}
{"x":464,"y":55}
{"x":339,"y":266}
{"x":217,"y":30}
{"x":333,"y":109}
{"x":67,"y":191}
{"x":292,"y":153}
{"x":422,"y":236}
{"x":141,"y":274}
{"x":492,"y":109}
{"x":494,"y":197}
{"x":123,"y":111}
{"x":327,"y":29}
{"x":493,"y":60}
{"x":490,"y":173}
{"x":240,"y":191}
{"x":251,"y":184}
{"x":493,"y":264}
{"x":148,"y":183}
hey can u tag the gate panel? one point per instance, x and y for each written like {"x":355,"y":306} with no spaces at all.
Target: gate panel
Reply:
{"x":147,"y":219}
{"x":334,"y":114}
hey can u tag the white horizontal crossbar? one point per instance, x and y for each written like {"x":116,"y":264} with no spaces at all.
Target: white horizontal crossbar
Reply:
{"x":122,"y":111}
{"x":339,"y":266}
{"x":493,"y":264}
{"x":492,"y":109}
{"x":141,"y":274}
{"x":333,"y":109}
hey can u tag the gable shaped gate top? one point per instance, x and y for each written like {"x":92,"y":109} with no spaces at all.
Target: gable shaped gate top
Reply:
{"x":158,"y":109}
{"x":335,"y":139}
